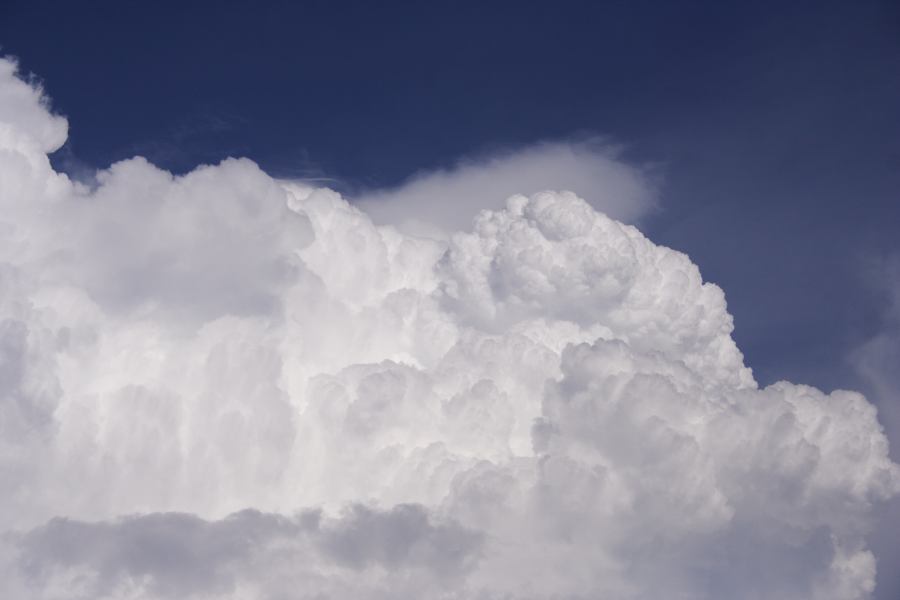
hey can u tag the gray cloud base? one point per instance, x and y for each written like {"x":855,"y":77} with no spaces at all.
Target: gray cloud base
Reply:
{"x":221,"y":385}
{"x":176,"y":555}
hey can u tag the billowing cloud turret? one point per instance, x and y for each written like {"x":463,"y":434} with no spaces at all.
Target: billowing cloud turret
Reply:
{"x":222,"y":385}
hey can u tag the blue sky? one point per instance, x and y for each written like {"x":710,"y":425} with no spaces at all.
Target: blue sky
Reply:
{"x":773,"y":127}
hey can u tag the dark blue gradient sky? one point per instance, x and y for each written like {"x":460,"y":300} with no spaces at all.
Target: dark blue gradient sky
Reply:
{"x":775,"y":125}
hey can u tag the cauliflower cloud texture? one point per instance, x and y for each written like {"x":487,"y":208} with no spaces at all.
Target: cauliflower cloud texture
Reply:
{"x":222,"y":385}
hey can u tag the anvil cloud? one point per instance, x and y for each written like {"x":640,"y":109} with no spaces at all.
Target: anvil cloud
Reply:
{"x":222,"y":385}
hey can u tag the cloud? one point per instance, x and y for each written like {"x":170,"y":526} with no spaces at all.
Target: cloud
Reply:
{"x":446,"y":200}
{"x":219,"y":240}
{"x":176,"y":555}
{"x":875,"y":361}
{"x":27,"y":123}
{"x":221,"y":385}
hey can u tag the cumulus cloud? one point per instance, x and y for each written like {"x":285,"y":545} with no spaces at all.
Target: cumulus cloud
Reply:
{"x":221,"y":385}
{"x":442,"y":201}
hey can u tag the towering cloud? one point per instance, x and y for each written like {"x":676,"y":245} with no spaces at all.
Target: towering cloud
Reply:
{"x":221,"y":385}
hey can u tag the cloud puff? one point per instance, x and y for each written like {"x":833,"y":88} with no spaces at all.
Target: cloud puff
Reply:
{"x":442,"y":201}
{"x":25,"y":121}
{"x":176,"y":555}
{"x":226,"y":386}
{"x":219,"y":240}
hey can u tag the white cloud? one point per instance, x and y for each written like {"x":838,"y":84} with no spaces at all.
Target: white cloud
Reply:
{"x":218,"y":240}
{"x":542,"y":405}
{"x":446,"y":200}
{"x":27,"y":124}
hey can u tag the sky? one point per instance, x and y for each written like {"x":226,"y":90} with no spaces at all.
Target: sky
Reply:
{"x":773,"y":126}
{"x":762,"y":140}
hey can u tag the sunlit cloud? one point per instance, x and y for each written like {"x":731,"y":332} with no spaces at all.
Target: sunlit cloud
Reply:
{"x":224,"y":385}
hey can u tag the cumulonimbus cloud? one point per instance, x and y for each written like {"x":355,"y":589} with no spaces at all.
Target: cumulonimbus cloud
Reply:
{"x":221,"y":385}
